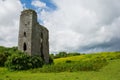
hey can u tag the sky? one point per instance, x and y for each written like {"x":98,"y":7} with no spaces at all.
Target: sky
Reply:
{"x":74,"y":25}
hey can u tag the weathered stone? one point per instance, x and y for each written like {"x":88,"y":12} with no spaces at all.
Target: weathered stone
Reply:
{"x":33,"y":38}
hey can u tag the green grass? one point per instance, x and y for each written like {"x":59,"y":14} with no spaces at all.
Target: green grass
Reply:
{"x":101,"y":55}
{"x":109,"y":72}
{"x":88,"y":62}
{"x":97,"y":66}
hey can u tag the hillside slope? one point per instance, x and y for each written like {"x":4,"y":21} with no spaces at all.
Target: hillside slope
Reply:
{"x":83,"y":57}
{"x":109,"y":72}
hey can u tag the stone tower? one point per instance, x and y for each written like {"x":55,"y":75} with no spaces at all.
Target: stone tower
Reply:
{"x":33,"y":38}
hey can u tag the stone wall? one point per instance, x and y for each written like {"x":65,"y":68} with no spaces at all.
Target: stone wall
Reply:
{"x":33,"y":38}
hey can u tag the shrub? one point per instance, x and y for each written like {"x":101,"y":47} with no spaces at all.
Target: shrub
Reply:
{"x":68,"y":61}
{"x":50,"y":60}
{"x":61,"y":54}
{"x":73,"y":54}
{"x":64,"y":54}
{"x":3,"y":58}
{"x":23,"y":62}
{"x":52,"y":56}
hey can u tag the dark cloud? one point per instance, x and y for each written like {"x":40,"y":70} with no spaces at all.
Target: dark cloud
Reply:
{"x":112,"y":45}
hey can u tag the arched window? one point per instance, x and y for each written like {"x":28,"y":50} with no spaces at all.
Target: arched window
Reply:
{"x":24,"y":47}
{"x":24,"y":34}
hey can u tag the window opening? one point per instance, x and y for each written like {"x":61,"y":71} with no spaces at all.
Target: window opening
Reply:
{"x":24,"y":34}
{"x":24,"y":47}
{"x":41,"y":40}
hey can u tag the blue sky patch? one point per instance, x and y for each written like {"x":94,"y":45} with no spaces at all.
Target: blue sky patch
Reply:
{"x":49,"y":4}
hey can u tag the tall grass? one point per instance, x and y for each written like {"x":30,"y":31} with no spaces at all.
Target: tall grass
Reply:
{"x":90,"y":65}
{"x":109,"y":72}
{"x":88,"y":62}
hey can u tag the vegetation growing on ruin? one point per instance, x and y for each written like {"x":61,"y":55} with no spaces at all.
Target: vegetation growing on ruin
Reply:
{"x":14,"y":59}
{"x":23,"y":62}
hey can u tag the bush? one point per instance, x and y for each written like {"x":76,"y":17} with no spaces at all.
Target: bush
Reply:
{"x":23,"y":62}
{"x":50,"y":60}
{"x":64,"y":54}
{"x":61,"y":54}
{"x":68,"y":61}
{"x":3,"y":58}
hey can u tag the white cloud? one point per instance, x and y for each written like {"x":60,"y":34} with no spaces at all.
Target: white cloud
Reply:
{"x":38,"y":3}
{"x":9,"y":22}
{"x":83,"y":25}
{"x":75,"y":25}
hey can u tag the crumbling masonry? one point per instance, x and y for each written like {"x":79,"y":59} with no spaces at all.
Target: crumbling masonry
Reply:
{"x":33,"y":38}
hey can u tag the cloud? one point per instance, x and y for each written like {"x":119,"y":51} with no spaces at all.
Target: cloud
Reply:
{"x":74,"y":25}
{"x":38,"y":3}
{"x":83,"y":25}
{"x":9,"y":22}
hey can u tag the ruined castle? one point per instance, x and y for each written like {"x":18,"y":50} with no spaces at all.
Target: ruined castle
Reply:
{"x":33,"y":37}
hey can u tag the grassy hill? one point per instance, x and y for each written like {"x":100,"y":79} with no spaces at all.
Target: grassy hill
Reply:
{"x":109,"y":72}
{"x":85,"y":57}
{"x":96,"y":66}
{"x":86,"y":62}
